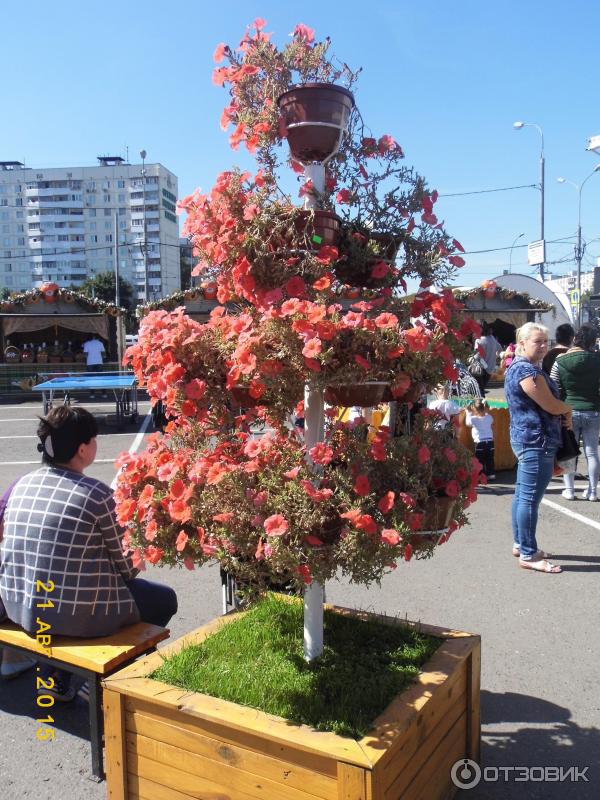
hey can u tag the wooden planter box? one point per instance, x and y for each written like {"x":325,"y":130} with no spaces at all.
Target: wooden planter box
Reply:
{"x":166,"y":744}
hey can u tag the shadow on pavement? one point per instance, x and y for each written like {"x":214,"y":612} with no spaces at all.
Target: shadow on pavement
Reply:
{"x":18,"y":697}
{"x":523,"y":731}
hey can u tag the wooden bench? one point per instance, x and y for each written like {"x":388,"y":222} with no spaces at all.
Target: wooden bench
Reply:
{"x":93,"y":659}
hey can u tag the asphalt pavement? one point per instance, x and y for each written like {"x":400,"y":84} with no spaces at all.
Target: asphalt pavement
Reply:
{"x":540,"y":639}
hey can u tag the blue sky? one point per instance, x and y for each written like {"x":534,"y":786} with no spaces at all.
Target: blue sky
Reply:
{"x":447,"y":80}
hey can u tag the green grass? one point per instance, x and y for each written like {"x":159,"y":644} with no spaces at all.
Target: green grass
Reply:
{"x":257,"y":661}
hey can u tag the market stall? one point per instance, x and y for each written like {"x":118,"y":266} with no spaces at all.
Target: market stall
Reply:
{"x":42,"y":332}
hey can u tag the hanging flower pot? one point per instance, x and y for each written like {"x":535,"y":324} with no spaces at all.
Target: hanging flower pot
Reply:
{"x":366,"y":258}
{"x":67,"y":297}
{"x":243,"y":398}
{"x":437,"y":512}
{"x":321,"y":228}
{"x":363,"y":395}
{"x":314,"y":117}
{"x":210,"y":290}
{"x":409,"y":395}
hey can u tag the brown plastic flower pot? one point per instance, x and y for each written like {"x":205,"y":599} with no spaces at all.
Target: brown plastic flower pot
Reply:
{"x":314,"y":116}
{"x":437,"y":513}
{"x":323,"y":229}
{"x":243,"y":398}
{"x":363,"y":395}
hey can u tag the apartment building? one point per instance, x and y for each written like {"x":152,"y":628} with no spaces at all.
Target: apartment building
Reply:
{"x":68,"y":224}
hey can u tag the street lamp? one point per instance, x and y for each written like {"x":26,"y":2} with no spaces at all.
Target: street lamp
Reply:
{"x":511,"y":249}
{"x":143,"y":155}
{"x":518,"y":126}
{"x":579,"y":247}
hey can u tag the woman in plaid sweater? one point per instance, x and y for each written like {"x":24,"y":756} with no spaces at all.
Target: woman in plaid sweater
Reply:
{"x":61,"y":531}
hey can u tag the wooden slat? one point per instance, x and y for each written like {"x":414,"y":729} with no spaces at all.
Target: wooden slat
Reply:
{"x":187,"y":783}
{"x":407,"y":768}
{"x":114,"y":738}
{"x":281,"y":771}
{"x":218,"y":773}
{"x":403,"y":748}
{"x":473,"y":708}
{"x":323,"y":765}
{"x":396,"y":725}
{"x":142,"y":789}
{"x":352,"y":782}
{"x":240,"y":719}
{"x":100,"y":655}
{"x":433,"y":781}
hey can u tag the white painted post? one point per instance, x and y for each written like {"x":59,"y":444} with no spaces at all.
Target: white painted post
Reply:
{"x":314,"y":432}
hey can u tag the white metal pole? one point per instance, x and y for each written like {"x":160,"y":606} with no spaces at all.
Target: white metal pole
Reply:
{"x":314,"y":432}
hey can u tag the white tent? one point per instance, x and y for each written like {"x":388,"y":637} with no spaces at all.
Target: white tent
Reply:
{"x":543,"y":291}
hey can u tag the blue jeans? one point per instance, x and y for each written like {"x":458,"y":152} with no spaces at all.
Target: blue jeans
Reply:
{"x":534,"y":472}
{"x":156,"y":603}
{"x":586,"y":425}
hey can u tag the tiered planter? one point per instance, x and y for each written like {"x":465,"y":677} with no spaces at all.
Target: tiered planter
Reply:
{"x":166,"y":744}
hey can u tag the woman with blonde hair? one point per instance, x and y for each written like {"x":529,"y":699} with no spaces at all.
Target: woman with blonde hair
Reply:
{"x":535,"y":434}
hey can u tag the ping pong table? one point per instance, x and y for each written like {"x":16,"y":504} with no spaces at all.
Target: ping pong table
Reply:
{"x":122,"y":384}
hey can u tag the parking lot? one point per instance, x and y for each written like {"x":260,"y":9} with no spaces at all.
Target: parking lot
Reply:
{"x":540,"y":638}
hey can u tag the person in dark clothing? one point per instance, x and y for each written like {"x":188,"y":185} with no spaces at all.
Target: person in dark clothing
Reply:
{"x":564,"y":339}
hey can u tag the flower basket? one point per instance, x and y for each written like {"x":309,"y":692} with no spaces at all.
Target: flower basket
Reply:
{"x":42,"y":357}
{"x":12,"y":354}
{"x":437,"y":513}
{"x":243,"y":398}
{"x":27,"y":356}
{"x":314,"y":117}
{"x":364,"y":395}
{"x":362,"y":251}
{"x":54,"y":359}
{"x":162,"y":741}
{"x":325,"y":226}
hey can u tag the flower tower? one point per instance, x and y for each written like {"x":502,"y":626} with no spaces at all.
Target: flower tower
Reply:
{"x":313,"y":314}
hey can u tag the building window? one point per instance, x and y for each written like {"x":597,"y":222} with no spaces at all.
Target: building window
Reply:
{"x":21,"y":241}
{"x":93,"y":239}
{"x":108,"y":237}
{"x":106,"y":198}
{"x":120,"y":184}
{"x":92,"y":226}
{"x":19,"y":215}
{"x":107,"y":212}
{"x":92,"y":212}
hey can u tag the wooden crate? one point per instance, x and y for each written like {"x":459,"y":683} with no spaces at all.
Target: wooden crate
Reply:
{"x":166,"y":744}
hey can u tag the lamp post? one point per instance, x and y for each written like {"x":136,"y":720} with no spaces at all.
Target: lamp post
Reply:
{"x":579,"y":248}
{"x":520,"y":236}
{"x":518,"y":126}
{"x":144,"y":247}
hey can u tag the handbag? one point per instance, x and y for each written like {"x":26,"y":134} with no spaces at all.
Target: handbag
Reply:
{"x":476,"y":367}
{"x":568,"y":449}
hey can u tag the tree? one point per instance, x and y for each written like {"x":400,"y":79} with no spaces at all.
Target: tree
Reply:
{"x":102,"y":286}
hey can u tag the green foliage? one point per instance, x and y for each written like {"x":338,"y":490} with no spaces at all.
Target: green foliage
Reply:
{"x":257,"y":661}
{"x":102,"y":286}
